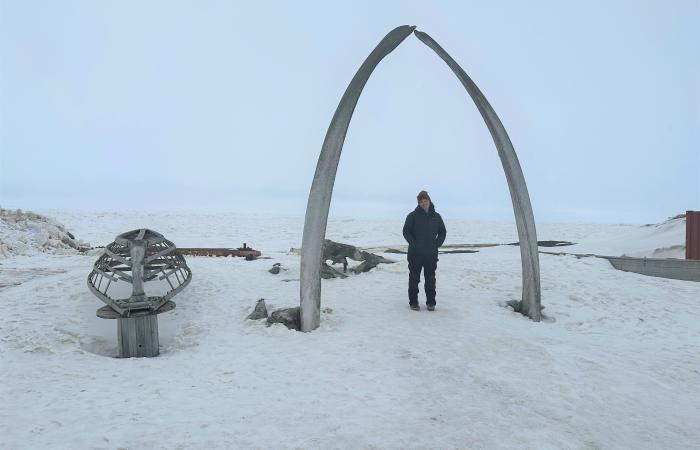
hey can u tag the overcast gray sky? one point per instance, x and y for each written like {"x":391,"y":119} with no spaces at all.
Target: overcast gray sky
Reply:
{"x":223,"y":106}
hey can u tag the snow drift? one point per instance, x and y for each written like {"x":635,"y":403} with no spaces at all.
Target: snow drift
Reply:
{"x":27,"y":233}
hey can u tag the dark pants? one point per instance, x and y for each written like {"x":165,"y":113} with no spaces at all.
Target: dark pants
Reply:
{"x":428,"y":264}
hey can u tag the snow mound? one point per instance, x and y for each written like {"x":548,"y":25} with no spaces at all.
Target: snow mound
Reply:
{"x":28,"y":233}
{"x":660,"y":240}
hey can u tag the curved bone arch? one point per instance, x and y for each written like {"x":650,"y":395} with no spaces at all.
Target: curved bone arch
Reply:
{"x":322,"y":187}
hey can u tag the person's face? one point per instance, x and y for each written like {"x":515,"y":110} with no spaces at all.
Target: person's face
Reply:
{"x":425,"y":204}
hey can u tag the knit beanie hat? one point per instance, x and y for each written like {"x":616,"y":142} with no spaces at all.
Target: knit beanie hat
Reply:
{"x":422,"y":195}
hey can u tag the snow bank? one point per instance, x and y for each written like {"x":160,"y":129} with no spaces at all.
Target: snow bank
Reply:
{"x":27,"y":233}
{"x":661,"y":240}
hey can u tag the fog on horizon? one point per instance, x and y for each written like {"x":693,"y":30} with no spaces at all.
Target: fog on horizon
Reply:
{"x":221,"y":106}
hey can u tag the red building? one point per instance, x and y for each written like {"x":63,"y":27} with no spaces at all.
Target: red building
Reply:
{"x":692,"y":235}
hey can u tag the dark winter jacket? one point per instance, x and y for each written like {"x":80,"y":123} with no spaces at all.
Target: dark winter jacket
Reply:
{"x":424,"y":232}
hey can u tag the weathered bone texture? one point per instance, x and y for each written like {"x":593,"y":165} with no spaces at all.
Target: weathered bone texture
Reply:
{"x":322,"y":186}
{"x":324,"y":178}
{"x":339,"y":253}
{"x":524,"y":218}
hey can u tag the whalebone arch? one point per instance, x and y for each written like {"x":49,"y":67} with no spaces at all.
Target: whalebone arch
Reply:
{"x":318,"y":205}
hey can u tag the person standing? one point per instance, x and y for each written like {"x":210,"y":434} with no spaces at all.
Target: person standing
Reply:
{"x":425,"y":232}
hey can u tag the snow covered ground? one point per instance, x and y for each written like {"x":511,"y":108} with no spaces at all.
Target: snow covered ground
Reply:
{"x":663,"y":240}
{"x":615,"y":365}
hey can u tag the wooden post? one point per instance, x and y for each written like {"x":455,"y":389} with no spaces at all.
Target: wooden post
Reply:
{"x":692,"y":235}
{"x":138,"y":336}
